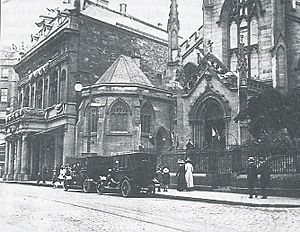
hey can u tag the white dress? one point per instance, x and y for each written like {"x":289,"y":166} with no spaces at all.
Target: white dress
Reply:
{"x":189,"y":175}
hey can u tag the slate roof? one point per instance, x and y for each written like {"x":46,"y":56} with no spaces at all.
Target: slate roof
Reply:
{"x":124,"y":71}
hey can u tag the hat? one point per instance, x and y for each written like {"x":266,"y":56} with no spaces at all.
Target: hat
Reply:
{"x":180,"y":161}
{"x":166,"y":170}
{"x":250,"y":158}
{"x":188,"y":159}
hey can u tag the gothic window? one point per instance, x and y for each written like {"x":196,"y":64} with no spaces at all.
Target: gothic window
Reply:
{"x":280,"y":54}
{"x":39,"y":94}
{"x":93,"y":120}
{"x":243,"y":28}
{"x":146,"y":118}
{"x":53,"y":88}
{"x":233,"y":35}
{"x":119,"y":116}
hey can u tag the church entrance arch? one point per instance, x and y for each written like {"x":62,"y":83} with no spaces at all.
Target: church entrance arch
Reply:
{"x":209,"y":125}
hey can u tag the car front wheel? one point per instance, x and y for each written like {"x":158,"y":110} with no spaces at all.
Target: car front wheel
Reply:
{"x":65,"y":185}
{"x":126,"y":188}
{"x":86,"y":186}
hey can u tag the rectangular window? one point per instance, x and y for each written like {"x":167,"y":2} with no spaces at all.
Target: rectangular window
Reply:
{"x":4,"y":73}
{"x":4,"y":95}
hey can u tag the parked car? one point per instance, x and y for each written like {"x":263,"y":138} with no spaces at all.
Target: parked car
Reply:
{"x":85,"y":173}
{"x":131,"y":174}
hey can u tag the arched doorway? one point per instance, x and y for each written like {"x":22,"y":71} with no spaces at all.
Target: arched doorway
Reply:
{"x":209,"y":126}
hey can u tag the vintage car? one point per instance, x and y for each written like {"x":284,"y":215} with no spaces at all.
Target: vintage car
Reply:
{"x":86,"y":173}
{"x":131,"y":174}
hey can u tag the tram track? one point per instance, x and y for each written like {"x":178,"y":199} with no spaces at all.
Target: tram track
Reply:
{"x":133,"y":215}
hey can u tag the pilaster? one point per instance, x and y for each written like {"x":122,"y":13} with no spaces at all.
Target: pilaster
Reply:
{"x":24,"y":158}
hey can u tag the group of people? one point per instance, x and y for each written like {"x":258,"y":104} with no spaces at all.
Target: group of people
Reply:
{"x":60,"y":174}
{"x":185,"y":180}
{"x":253,"y":171}
{"x":163,"y":177}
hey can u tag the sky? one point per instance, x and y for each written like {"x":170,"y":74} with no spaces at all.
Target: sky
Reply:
{"x":19,"y":16}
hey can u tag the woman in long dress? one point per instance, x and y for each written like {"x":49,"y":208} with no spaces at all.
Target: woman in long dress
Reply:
{"x":189,"y":174}
{"x":181,"y":183}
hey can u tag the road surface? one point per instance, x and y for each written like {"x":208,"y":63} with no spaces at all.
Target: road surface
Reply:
{"x":27,"y":208}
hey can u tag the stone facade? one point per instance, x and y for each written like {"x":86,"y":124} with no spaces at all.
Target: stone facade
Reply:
{"x":74,"y":46}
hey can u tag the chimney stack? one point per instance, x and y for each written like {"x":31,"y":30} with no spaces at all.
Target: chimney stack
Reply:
{"x":123,"y":8}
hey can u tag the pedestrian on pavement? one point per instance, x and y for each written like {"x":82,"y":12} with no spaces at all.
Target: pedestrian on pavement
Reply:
{"x":62,"y":173}
{"x":39,"y":178}
{"x":44,"y":174}
{"x":181,"y":182}
{"x":158,"y":175}
{"x":189,"y":174}
{"x":165,"y":179}
{"x":265,"y":176}
{"x":55,"y":176}
{"x":251,"y":177}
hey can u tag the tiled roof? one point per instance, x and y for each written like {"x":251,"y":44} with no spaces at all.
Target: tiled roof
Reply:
{"x":124,"y":70}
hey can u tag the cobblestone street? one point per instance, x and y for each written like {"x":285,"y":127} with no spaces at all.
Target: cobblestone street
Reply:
{"x":40,"y":209}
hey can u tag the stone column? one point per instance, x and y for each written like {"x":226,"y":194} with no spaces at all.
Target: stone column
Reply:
{"x":58,"y":150}
{"x":18,"y":157}
{"x":69,"y":143}
{"x":10,"y":161}
{"x":6,"y":159}
{"x":24,"y":158}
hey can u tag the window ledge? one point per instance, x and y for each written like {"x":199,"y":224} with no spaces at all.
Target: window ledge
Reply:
{"x":119,"y":133}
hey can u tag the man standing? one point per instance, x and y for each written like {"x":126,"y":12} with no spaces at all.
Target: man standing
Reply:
{"x":265,"y":176}
{"x":251,"y":177}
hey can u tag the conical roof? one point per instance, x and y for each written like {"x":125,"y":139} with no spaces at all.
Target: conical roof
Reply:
{"x":124,"y":70}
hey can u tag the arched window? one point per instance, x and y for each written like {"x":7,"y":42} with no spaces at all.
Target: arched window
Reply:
{"x":281,"y":67}
{"x":62,"y":86}
{"x":253,"y":31}
{"x":93,"y":120}
{"x":233,"y":35}
{"x":39,"y":94}
{"x":53,"y":88}
{"x":119,"y":116}
{"x":243,"y":28}
{"x":146,"y":118}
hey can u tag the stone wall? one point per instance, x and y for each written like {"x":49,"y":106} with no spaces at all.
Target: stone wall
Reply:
{"x":101,"y":44}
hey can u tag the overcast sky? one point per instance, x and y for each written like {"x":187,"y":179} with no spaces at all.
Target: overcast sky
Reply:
{"x":18,"y":16}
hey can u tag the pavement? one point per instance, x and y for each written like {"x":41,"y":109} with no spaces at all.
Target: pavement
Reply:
{"x":215,"y":197}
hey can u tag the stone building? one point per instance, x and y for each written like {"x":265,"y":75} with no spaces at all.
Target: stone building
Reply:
{"x":143,"y":89}
{"x":9,"y":56}
{"x":73,"y":45}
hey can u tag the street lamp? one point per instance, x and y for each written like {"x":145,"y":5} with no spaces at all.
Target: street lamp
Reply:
{"x":78,"y":88}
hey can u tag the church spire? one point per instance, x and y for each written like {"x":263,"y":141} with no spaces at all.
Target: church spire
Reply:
{"x":173,"y":30}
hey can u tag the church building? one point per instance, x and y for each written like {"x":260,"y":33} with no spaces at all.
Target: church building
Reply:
{"x":144,"y":89}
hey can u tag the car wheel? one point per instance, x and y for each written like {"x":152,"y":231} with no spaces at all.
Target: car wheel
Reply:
{"x":86,"y":186}
{"x":65,"y":185}
{"x":100,"y":188}
{"x":126,"y":188}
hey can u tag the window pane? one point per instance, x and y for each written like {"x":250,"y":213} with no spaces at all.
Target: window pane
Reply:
{"x":253,"y":31}
{"x":233,"y":35}
{"x":4,"y":73}
{"x":4,"y":95}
